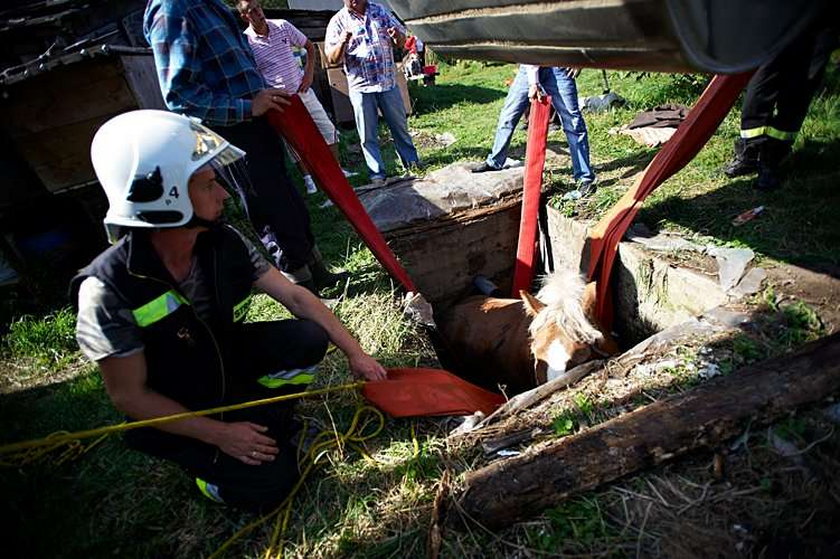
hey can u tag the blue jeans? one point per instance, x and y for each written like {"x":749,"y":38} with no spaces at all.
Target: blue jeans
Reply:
{"x":563,"y":92}
{"x":367,"y":119}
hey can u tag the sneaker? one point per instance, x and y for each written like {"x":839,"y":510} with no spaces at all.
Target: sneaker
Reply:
{"x":348,"y":174}
{"x":310,"y":184}
{"x":484,"y":167}
{"x":584,"y":188}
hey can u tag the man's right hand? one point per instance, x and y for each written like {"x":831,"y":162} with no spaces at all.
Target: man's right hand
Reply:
{"x":269,"y":99}
{"x":245,"y":442}
{"x":345,"y":37}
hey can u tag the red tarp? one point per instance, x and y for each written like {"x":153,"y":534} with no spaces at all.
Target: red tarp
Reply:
{"x":425,"y":392}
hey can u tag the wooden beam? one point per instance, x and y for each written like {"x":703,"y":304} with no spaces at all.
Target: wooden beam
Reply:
{"x":518,"y":488}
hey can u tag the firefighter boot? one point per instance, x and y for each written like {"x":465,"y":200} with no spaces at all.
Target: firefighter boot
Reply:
{"x":773,"y":153}
{"x":745,"y":160}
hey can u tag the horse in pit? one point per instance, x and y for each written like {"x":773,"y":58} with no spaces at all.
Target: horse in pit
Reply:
{"x":520,"y":343}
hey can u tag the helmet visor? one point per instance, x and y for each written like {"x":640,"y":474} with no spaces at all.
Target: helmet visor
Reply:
{"x":208,"y":144}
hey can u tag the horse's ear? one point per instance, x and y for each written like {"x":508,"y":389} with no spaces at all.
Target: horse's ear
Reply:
{"x":531,"y":303}
{"x":590,"y":294}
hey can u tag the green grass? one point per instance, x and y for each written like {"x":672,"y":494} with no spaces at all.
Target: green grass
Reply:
{"x":114,"y":502}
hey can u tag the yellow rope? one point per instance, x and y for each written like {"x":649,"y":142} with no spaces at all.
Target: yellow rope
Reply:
{"x":321,"y":445}
{"x":26,"y":452}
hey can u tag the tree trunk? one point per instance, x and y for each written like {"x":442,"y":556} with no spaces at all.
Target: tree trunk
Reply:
{"x":515,"y":489}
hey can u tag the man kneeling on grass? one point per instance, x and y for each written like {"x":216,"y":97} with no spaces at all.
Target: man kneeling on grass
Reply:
{"x":161,"y":312}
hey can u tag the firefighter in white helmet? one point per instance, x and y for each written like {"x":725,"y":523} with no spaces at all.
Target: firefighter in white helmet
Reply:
{"x":161,"y":312}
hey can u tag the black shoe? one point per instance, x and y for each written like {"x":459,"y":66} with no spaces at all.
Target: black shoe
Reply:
{"x":321,"y":276}
{"x":768,"y":179}
{"x":484,"y":167}
{"x":329,"y":279}
{"x":745,"y":161}
{"x":310,"y":285}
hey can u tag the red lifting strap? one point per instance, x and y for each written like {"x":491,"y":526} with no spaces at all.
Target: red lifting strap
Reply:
{"x":523,"y":272}
{"x":296,"y":126}
{"x":701,"y":122}
{"x":425,"y":392}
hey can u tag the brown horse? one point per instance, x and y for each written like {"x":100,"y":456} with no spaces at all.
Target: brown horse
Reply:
{"x":520,"y":343}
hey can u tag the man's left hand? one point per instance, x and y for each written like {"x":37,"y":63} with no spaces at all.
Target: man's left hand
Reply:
{"x":393,"y":33}
{"x":365,"y":367}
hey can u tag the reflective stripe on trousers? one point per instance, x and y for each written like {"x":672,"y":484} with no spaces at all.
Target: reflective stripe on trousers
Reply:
{"x":768,"y":131}
{"x":209,"y":490}
{"x":292,"y":377}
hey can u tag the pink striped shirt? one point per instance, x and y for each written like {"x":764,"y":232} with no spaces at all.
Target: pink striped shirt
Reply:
{"x":274,"y":56}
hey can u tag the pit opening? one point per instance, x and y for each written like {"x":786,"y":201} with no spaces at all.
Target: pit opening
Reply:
{"x":453,"y":225}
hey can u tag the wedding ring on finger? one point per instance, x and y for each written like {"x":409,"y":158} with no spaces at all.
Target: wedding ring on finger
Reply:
{"x":253,"y":454}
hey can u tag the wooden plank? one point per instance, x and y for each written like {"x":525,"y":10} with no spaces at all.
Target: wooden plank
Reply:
{"x":519,"y":488}
{"x":443,"y":256}
{"x":142,"y":80}
{"x":72,"y":94}
{"x":61,"y":156}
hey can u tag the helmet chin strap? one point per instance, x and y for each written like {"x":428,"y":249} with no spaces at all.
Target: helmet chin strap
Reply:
{"x":196,"y":221}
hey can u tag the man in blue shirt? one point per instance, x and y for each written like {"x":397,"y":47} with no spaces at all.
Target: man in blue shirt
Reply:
{"x":206,"y":70}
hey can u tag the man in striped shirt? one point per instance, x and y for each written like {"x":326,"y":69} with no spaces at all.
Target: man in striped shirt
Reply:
{"x":272,"y":42}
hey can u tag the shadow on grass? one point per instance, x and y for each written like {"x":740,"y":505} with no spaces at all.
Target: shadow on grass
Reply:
{"x":631,"y":164}
{"x":443,"y":96}
{"x":799,"y":224}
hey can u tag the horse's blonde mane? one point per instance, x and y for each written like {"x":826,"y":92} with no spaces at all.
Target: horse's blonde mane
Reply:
{"x":561,"y":293}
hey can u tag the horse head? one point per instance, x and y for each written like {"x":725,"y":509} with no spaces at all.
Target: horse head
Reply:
{"x":562,"y":336}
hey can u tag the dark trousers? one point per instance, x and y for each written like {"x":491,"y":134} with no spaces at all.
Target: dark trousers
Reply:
{"x":256,"y":350}
{"x":780,"y":92}
{"x":274,"y":205}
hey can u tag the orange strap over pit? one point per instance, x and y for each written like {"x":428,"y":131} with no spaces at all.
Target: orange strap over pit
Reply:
{"x":702,"y":121}
{"x":297,"y":127}
{"x":523,"y":271}
{"x":425,"y":392}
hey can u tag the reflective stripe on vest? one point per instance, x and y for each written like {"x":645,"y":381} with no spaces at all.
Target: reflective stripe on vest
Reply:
{"x":769,"y":131}
{"x":288,"y":378}
{"x":209,"y":490}
{"x":240,"y":309}
{"x":158,"y":308}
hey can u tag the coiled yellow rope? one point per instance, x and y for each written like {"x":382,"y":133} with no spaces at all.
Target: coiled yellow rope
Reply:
{"x":26,"y":452}
{"x":322,"y":444}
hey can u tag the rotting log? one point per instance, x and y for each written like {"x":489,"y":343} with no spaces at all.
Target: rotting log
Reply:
{"x":517,"y":488}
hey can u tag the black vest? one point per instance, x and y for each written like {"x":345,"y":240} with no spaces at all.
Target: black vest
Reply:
{"x":185,"y":355}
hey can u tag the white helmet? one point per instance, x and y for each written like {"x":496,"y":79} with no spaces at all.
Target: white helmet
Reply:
{"x":144,"y":160}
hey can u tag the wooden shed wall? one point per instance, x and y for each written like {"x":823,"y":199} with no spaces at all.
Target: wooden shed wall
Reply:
{"x":51,"y":118}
